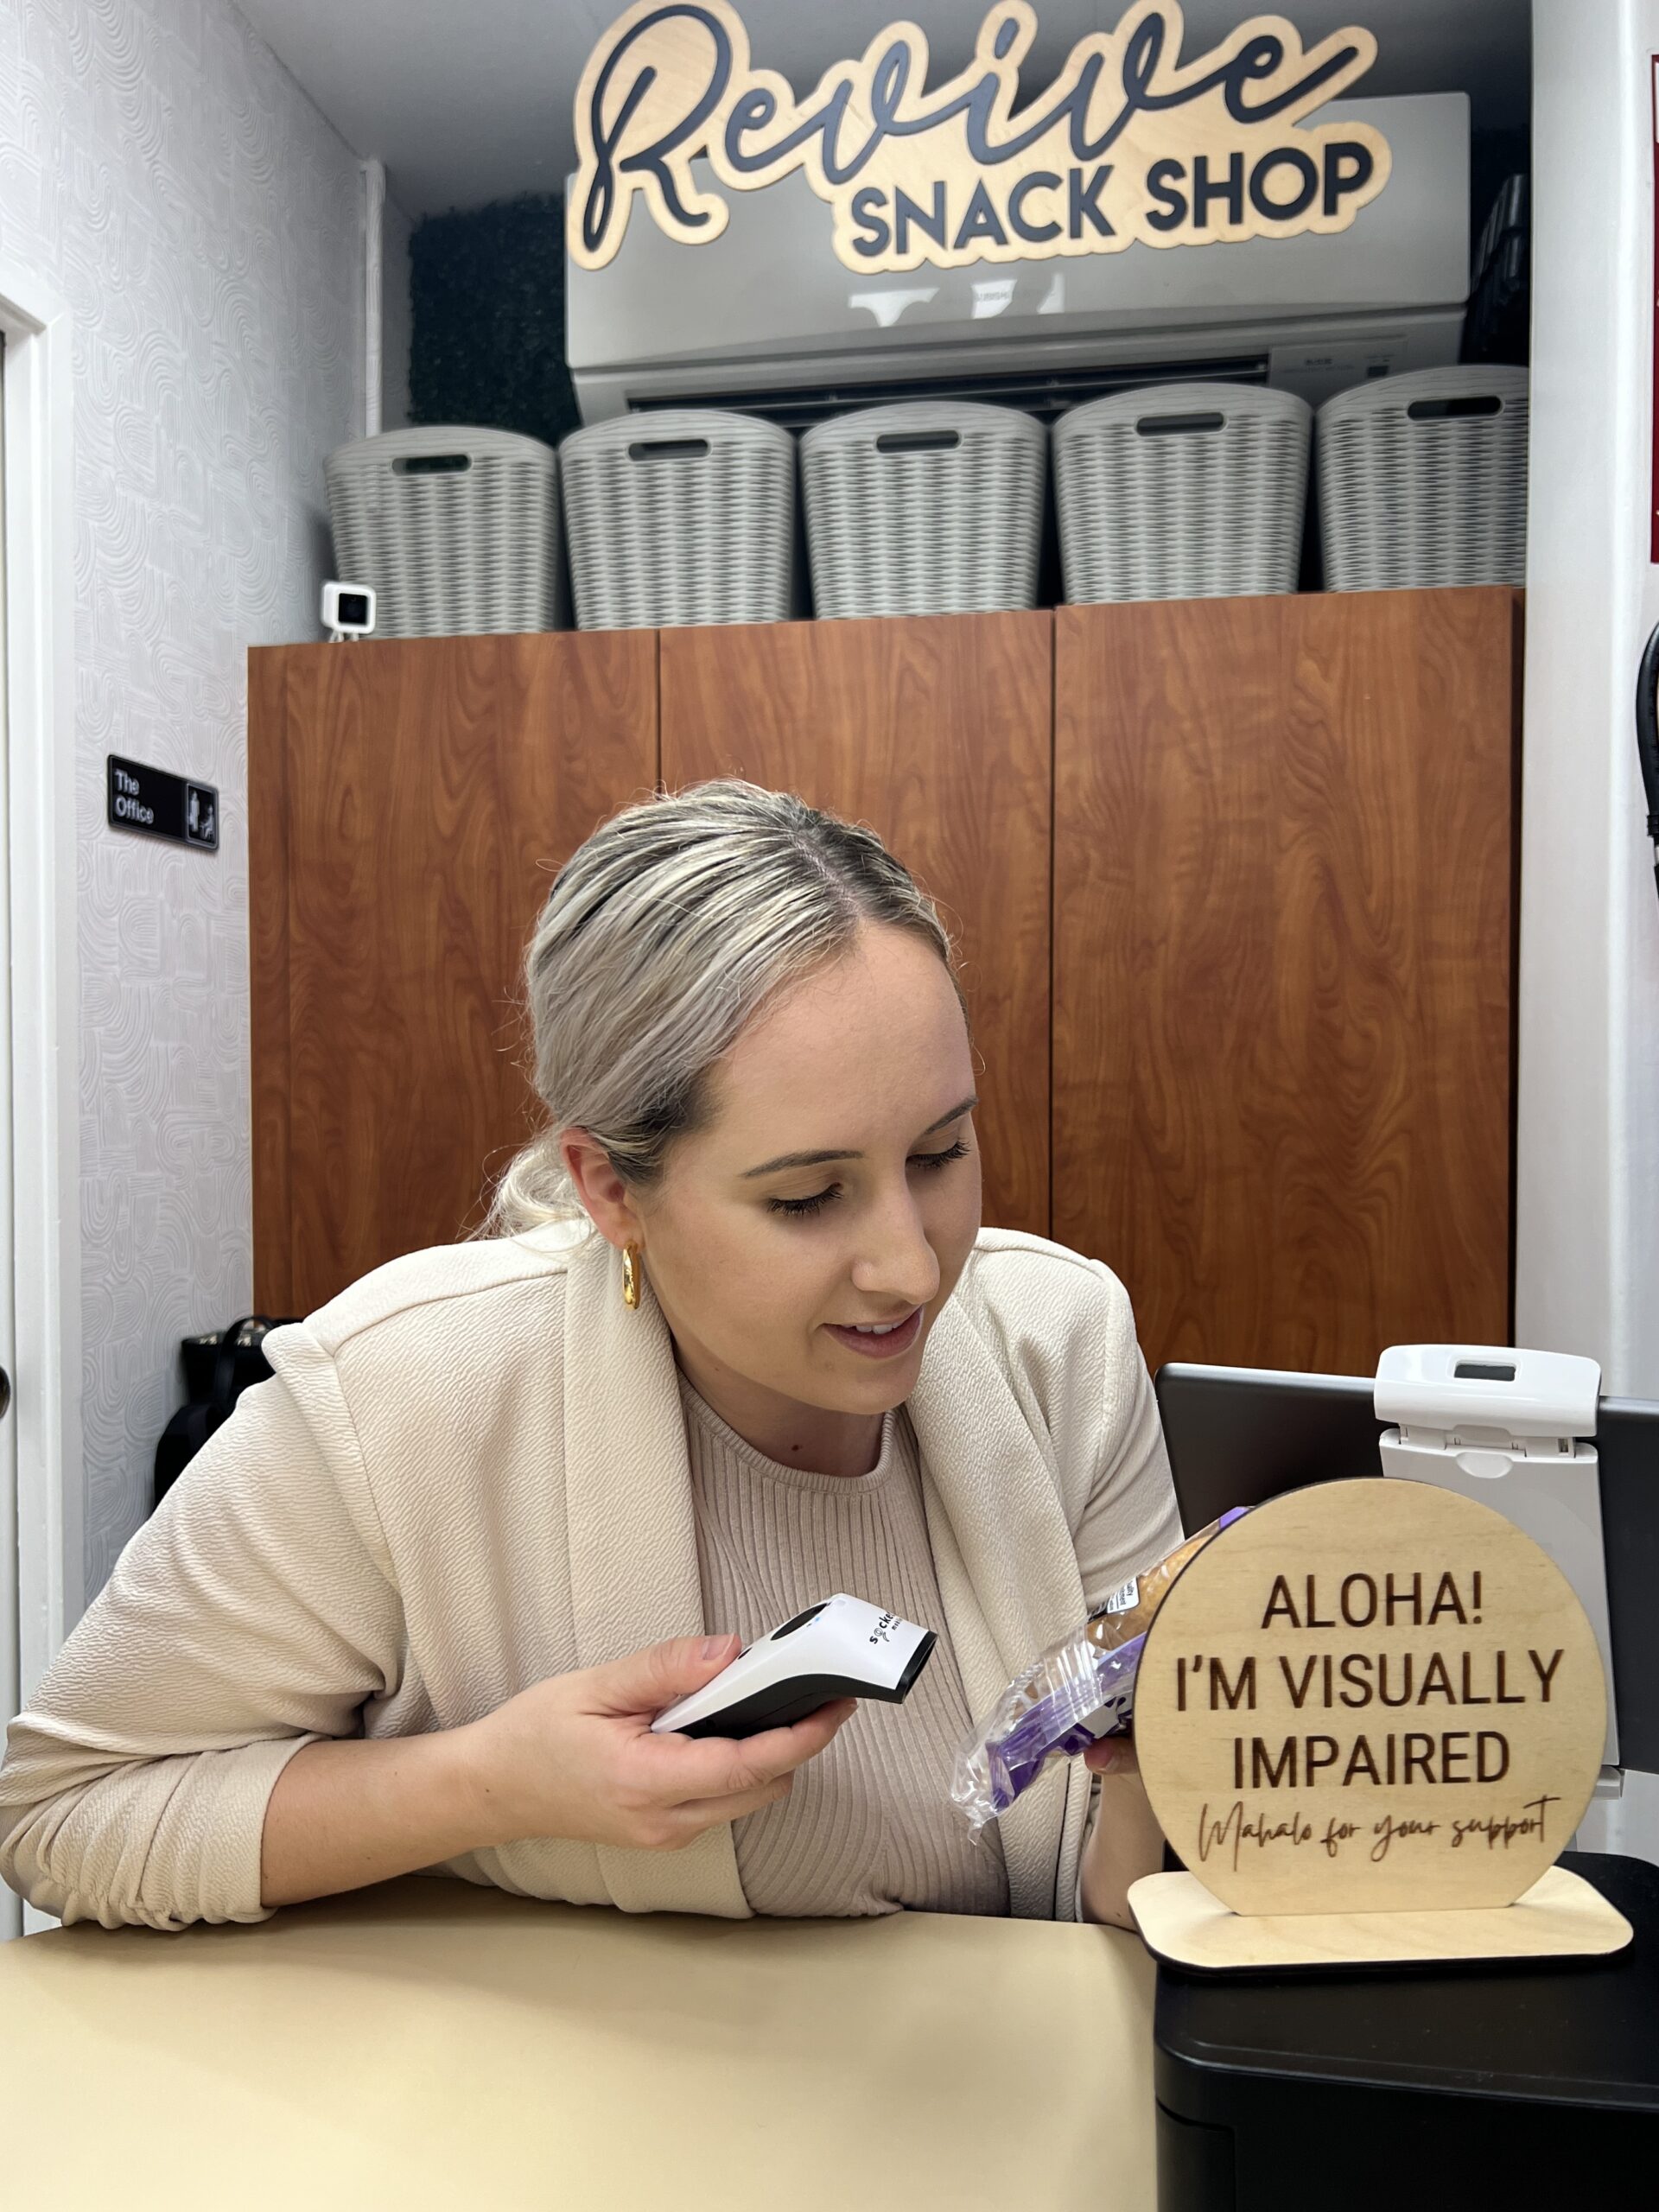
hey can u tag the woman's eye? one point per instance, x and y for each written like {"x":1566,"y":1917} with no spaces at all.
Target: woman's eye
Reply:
{"x":957,"y":1151}
{"x":803,"y":1209}
{"x":799,"y":1209}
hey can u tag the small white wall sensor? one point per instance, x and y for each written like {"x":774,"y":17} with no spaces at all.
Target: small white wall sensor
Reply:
{"x":347,"y":612}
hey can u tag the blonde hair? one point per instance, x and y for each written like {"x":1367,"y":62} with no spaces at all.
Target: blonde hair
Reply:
{"x":661,"y":938}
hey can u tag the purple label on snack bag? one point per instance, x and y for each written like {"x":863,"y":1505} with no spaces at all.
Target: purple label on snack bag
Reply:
{"x":1067,"y":1720}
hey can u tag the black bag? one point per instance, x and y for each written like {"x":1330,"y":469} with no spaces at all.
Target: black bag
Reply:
{"x":218,"y":1368}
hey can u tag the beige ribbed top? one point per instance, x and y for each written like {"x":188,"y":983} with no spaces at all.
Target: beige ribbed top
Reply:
{"x":868,"y":1827}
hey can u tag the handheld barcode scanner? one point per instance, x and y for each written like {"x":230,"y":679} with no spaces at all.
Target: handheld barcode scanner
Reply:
{"x":839,"y":1648}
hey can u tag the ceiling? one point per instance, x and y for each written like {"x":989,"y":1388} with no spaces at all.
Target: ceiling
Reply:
{"x":471,"y":103}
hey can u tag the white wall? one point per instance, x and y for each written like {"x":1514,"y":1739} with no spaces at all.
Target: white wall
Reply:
{"x":1587,"y":1251}
{"x":162,"y":172}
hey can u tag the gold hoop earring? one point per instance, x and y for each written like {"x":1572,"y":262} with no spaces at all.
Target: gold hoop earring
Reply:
{"x":631,"y":1277}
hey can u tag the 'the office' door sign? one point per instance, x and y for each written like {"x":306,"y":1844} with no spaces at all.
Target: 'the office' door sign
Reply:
{"x":161,"y":804}
{"x":1130,"y":144}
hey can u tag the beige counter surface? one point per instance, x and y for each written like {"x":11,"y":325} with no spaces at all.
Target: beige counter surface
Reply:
{"x":428,"y":2045}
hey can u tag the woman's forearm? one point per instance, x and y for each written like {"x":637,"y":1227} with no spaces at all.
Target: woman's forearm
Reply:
{"x":1126,"y":1842}
{"x":348,"y":1812}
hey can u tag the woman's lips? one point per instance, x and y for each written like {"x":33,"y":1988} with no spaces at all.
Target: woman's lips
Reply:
{"x":887,"y":1347}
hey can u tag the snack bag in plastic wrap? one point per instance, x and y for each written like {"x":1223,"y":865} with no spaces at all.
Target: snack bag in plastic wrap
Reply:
{"x":1081,"y":1689}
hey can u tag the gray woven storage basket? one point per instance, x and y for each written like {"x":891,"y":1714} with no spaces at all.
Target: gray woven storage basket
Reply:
{"x":681,"y":515}
{"x":1423,"y":480}
{"x":456,"y":529}
{"x":931,"y":507}
{"x":1192,"y":490}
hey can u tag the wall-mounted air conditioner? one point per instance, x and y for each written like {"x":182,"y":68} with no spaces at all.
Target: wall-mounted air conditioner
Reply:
{"x":766,"y":319}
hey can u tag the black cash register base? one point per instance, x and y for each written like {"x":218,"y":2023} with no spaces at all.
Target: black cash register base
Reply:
{"x":1469,"y":2087}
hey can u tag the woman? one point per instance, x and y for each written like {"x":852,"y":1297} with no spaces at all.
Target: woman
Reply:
{"x":416,"y":1603}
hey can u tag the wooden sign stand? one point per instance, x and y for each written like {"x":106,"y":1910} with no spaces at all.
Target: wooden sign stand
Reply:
{"x":1369,"y":1716}
{"x":1560,"y":1918}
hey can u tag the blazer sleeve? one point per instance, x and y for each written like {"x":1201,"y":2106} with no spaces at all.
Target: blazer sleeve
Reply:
{"x":1129,"y":1519}
{"x":254,"y":1613}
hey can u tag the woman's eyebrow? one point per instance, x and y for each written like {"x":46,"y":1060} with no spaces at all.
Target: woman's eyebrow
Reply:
{"x":819,"y":1158}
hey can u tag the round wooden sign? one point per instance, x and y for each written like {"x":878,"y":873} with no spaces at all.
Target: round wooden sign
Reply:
{"x":1369,"y":1696}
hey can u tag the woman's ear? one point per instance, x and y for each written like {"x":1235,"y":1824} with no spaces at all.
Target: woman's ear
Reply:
{"x":601,"y":1189}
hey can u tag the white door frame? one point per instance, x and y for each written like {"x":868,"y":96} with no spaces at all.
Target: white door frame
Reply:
{"x":1587,"y":1125}
{"x":1587,"y":1196}
{"x":44,"y":1041}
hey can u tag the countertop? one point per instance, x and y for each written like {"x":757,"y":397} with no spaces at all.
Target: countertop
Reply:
{"x":429,"y":2044}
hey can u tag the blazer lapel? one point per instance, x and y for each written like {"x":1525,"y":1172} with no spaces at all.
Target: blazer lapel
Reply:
{"x":1007,"y":1574}
{"x":633,"y":1539}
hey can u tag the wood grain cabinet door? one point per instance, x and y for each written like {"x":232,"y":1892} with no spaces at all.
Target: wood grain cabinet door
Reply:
{"x":1283,"y":957}
{"x":937,"y":732}
{"x":409,"y":802}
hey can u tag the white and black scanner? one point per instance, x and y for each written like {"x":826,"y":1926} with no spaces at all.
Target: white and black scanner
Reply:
{"x":840,"y":1646}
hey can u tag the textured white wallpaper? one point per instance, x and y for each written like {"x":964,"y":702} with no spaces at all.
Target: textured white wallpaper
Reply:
{"x":168,"y":177}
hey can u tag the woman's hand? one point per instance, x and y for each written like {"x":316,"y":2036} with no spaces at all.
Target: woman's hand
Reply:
{"x":574,"y":1756}
{"x":1125,"y":1841}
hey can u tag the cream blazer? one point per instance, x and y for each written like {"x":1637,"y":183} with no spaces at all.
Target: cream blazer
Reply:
{"x":469,"y":1472}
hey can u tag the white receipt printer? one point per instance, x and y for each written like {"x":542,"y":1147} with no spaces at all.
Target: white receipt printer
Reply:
{"x":1509,"y":1428}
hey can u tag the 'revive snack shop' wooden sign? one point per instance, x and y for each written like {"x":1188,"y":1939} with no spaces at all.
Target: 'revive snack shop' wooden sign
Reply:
{"x":1134,"y":142}
{"x":1371,"y":1696}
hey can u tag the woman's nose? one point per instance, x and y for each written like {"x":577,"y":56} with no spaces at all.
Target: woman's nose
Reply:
{"x":895,"y":1260}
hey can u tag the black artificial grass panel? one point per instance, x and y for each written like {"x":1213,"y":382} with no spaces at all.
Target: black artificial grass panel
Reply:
{"x":487,"y":299}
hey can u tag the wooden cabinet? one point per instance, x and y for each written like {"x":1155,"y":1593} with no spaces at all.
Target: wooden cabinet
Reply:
{"x":937,"y":733}
{"x":1231,"y":880}
{"x":407,"y":802}
{"x":1283,"y":917}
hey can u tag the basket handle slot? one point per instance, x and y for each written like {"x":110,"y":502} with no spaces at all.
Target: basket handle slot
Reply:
{"x":1468,"y":403}
{"x":432,"y":464}
{"x":917,"y":441}
{"x":668,"y":449}
{"x":1165,"y":426}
